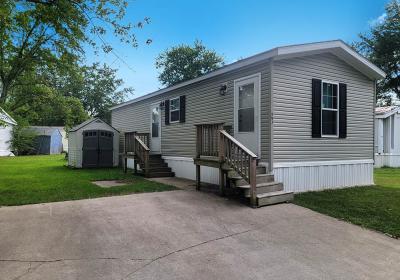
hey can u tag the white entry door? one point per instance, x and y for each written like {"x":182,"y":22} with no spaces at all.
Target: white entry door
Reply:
{"x":155,"y":131}
{"x":247,"y":112}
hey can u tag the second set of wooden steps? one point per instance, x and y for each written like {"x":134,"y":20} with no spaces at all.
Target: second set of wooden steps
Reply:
{"x":267,"y":190}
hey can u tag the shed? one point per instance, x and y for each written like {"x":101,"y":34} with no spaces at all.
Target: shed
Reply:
{"x":48,"y":140}
{"x":387,"y":136}
{"x":6,"y":127}
{"x":93,"y":143}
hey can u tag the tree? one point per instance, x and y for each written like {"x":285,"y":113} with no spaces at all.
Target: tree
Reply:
{"x":185,"y":62}
{"x":22,"y":140}
{"x":382,"y":46}
{"x":100,"y":90}
{"x":52,"y":32}
{"x":42,"y":105}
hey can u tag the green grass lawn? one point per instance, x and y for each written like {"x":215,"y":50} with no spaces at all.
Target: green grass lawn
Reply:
{"x":375,"y":207}
{"x":37,"y":179}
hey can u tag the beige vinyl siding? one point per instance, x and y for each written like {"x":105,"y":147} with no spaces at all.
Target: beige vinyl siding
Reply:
{"x":204,"y":104}
{"x":292,"y":110}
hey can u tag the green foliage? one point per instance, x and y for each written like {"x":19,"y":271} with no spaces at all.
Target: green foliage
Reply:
{"x":99,"y":90}
{"x":185,"y":62}
{"x":22,"y":140}
{"x":382,"y":47}
{"x":39,"y":179}
{"x":42,"y":105}
{"x":50,"y":33}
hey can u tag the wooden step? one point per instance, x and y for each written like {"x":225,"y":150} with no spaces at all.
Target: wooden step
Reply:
{"x":158,"y":169}
{"x":155,"y":164}
{"x":238,"y":181}
{"x":155,"y":156}
{"x":156,"y":174}
{"x":259,"y":171}
{"x":274,"y":198}
{"x":263,"y":188}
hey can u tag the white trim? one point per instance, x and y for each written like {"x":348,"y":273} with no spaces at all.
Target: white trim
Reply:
{"x":322,"y":163}
{"x":337,"y":47}
{"x":388,"y":114}
{"x":258,"y":100}
{"x":330,"y":109}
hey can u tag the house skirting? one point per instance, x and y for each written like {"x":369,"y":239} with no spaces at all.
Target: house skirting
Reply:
{"x":184,"y":167}
{"x":319,"y":175}
{"x":390,"y":160}
{"x":295,"y":176}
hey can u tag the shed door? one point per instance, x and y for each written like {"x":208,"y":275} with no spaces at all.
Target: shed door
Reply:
{"x":97,"y":148}
{"x":90,"y":149}
{"x":105,"y":148}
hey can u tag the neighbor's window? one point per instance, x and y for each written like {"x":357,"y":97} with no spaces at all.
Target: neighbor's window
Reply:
{"x":174,"y":110}
{"x":330,"y":113}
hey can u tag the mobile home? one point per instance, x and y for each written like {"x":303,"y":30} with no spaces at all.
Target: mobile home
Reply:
{"x":304,"y":113}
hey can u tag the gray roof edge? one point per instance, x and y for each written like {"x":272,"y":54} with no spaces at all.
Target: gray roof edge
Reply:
{"x":10,"y":119}
{"x":278,"y":51}
{"x":89,"y":121}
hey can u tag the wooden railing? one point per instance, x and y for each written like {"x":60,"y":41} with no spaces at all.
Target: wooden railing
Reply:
{"x":130,"y":140}
{"x":207,"y":139}
{"x":142,"y":152}
{"x":240,"y":159}
{"x":137,"y":144}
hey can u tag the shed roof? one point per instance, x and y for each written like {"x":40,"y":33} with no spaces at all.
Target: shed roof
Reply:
{"x":45,"y":130}
{"x":6,"y":117}
{"x":386,"y":111}
{"x":85,"y":123}
{"x":336,"y":47}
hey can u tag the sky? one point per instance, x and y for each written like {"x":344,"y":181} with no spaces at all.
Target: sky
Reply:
{"x":234,"y":29}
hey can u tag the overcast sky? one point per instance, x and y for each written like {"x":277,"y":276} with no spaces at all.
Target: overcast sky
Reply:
{"x":235,"y":29}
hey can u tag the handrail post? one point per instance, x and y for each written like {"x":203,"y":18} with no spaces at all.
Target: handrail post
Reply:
{"x":146,"y":163}
{"x":221,"y":156}
{"x":253,"y":183}
{"x":198,"y":153}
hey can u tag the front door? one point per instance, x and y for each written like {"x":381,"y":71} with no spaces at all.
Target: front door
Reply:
{"x":247,"y":112}
{"x":155,"y":131}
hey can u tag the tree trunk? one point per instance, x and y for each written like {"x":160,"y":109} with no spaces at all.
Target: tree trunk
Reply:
{"x":3,"y":93}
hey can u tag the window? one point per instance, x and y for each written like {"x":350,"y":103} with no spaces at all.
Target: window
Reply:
{"x":329,"y":109}
{"x":174,"y":111}
{"x":246,"y":108}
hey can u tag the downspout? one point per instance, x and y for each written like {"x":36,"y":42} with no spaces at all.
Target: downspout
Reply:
{"x":373,"y":124}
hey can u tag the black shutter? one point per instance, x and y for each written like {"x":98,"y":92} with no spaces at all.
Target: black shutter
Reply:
{"x":182,"y":109}
{"x":342,"y":110}
{"x":166,"y":112}
{"x":316,"y":108}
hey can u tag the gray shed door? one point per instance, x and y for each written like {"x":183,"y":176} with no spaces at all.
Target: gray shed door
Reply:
{"x":97,"y":148}
{"x":105,"y":148}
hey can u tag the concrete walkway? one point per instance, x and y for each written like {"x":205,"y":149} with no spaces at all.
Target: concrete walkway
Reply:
{"x":186,"y":234}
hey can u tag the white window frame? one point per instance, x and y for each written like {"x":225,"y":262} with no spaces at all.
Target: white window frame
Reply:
{"x":179,"y":109}
{"x":329,"y":109}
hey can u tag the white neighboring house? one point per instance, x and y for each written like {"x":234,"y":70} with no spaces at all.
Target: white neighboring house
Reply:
{"x":64,"y":138}
{"x":387,"y":136}
{"x":6,"y":133}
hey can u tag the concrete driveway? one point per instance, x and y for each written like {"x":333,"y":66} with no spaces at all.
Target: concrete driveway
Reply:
{"x":186,"y":235}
